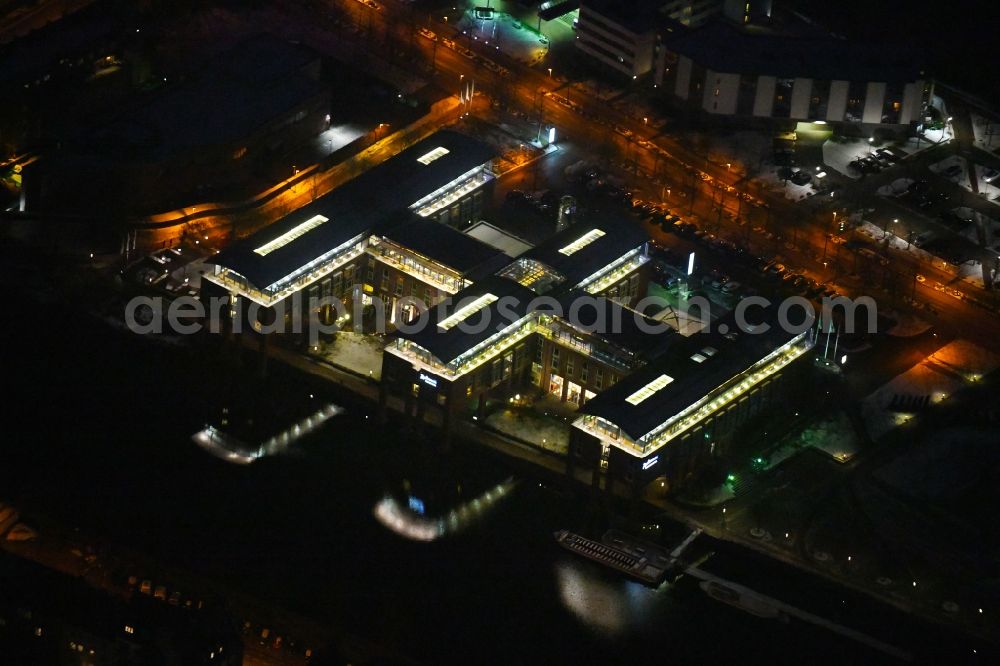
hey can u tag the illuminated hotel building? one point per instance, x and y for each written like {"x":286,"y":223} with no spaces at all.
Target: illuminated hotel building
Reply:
{"x":389,"y":232}
{"x":682,"y":410}
{"x":527,"y":326}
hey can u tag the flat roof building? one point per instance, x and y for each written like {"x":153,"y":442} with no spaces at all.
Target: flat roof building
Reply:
{"x":621,"y":36}
{"x":557,"y":318}
{"x":391,"y":213}
{"x":684,"y":406}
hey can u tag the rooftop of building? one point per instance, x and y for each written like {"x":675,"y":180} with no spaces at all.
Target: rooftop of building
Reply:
{"x":446,"y":246}
{"x":723,"y":47}
{"x":31,"y":57}
{"x":693,"y":366}
{"x":241,"y":90}
{"x":562,"y":262}
{"x":502,"y":240}
{"x":376,"y":197}
{"x":622,"y":326}
{"x":579,"y":250}
{"x":639,"y":16}
{"x":471,"y":316}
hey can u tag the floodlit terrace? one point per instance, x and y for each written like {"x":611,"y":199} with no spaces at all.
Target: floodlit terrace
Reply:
{"x":421,"y":268}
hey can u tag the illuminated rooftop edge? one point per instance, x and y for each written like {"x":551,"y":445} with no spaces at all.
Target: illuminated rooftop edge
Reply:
{"x":306,"y":275}
{"x":608,"y":275}
{"x":467,"y":311}
{"x":581,"y":242}
{"x":290,"y":235}
{"x":427,"y":158}
{"x":649,"y":389}
{"x":707,"y":405}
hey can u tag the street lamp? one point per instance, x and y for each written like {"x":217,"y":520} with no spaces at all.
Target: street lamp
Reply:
{"x":871,"y":140}
{"x":550,"y":72}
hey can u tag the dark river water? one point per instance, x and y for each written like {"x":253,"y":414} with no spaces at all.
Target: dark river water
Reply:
{"x":98,"y":435}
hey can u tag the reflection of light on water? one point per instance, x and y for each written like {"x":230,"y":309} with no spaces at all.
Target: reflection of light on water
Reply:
{"x":221,"y":446}
{"x":227,"y":447}
{"x":610,"y":606}
{"x":405,"y":521}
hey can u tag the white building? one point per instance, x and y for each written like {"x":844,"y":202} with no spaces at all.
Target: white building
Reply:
{"x":620,"y":35}
{"x":721,"y":69}
{"x":625,"y":35}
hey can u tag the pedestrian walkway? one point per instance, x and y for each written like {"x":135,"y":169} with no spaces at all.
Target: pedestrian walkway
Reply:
{"x":754,"y":602}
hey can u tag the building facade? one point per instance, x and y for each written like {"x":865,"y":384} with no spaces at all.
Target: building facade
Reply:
{"x":375,"y":239}
{"x":556,"y":320}
{"x":680,"y":412}
{"x":722,"y":70}
{"x":621,"y":36}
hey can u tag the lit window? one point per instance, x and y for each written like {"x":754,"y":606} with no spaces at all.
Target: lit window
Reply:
{"x":129,"y":630}
{"x":467,"y":311}
{"x":581,"y":242}
{"x":698,"y":358}
{"x":709,"y":351}
{"x":649,"y":389}
{"x":433,"y":155}
{"x":290,"y":235}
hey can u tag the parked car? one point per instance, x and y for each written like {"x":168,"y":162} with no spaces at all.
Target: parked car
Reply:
{"x":731,"y":287}
{"x":774,"y":268}
{"x":801,"y":177}
{"x":952,"y":171}
{"x":887,"y":154}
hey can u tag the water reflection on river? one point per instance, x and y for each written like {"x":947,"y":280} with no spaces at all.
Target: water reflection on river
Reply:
{"x":609,"y":606}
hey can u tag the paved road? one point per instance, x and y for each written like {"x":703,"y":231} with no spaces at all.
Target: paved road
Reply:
{"x":801,"y":230}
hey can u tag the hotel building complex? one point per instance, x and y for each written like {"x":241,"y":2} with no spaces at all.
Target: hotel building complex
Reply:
{"x":469,"y":324}
{"x":386,"y":233}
